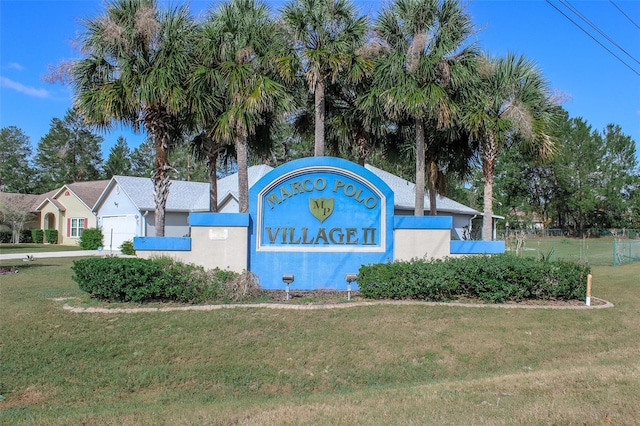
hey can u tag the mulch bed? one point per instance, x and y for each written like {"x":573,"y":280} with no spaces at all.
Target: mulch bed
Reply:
{"x":4,"y":270}
{"x":334,"y":296}
{"x":314,"y":296}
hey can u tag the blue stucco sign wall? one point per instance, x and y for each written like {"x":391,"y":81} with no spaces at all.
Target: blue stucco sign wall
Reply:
{"x":318,"y":218}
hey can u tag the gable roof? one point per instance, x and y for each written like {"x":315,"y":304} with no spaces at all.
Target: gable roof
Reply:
{"x":87,"y":192}
{"x":194,"y":196}
{"x":183,"y":196}
{"x":23,"y":201}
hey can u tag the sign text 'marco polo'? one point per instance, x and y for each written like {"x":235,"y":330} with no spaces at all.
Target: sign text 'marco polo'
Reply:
{"x":316,"y":211}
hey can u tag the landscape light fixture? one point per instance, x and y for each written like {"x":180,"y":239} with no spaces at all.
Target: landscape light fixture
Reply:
{"x":287,"y":279}
{"x":349,"y":278}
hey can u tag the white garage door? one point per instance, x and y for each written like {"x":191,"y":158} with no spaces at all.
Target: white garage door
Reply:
{"x":118,"y":229}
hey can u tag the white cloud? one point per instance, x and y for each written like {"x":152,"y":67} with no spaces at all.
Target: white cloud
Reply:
{"x":15,"y":66}
{"x":29,"y":91}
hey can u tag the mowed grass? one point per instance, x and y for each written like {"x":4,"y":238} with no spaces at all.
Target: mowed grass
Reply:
{"x":6,"y":248}
{"x":383,"y":365}
{"x":594,"y":251}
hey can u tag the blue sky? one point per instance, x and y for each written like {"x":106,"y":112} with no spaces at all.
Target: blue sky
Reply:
{"x":35,"y":34}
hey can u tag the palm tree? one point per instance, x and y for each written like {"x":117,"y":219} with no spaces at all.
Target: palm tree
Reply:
{"x":356,"y":123}
{"x":425,"y":62}
{"x":235,"y":51}
{"x":325,"y":35}
{"x":134,"y":71}
{"x":511,"y":104}
{"x":207,"y":149}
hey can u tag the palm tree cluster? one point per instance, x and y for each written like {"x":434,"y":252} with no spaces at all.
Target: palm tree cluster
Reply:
{"x":411,"y":80}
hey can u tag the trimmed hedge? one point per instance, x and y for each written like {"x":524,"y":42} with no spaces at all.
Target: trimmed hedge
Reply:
{"x":494,"y":279}
{"x":91,"y":239}
{"x":51,"y":236}
{"x":37,"y":236}
{"x":25,"y":236}
{"x":144,"y":280}
{"x":5,"y":236}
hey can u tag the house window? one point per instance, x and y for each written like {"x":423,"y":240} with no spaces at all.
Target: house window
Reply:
{"x":77,"y":226}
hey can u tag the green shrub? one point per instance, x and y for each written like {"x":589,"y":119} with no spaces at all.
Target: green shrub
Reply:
{"x":91,"y":239}
{"x":494,"y":279}
{"x":7,"y":236}
{"x":144,"y":280}
{"x":127,"y":248}
{"x":25,"y":236}
{"x":51,"y":236}
{"x":37,"y":236}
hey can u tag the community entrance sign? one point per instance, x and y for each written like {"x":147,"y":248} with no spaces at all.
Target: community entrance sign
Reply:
{"x":318,"y":218}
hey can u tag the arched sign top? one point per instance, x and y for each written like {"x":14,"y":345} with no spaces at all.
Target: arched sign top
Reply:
{"x":320,"y":211}
{"x":321,"y":204}
{"x":319,"y":163}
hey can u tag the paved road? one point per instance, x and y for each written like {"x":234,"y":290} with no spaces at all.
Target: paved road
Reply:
{"x":74,"y":253}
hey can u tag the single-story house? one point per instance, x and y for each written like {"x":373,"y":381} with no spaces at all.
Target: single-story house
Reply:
{"x":69,"y":209}
{"x":126,"y":207}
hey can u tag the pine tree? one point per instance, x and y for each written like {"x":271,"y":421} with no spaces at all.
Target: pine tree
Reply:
{"x":16,"y":173}
{"x":119,"y":161}
{"x":142,"y":159}
{"x":70,"y":152}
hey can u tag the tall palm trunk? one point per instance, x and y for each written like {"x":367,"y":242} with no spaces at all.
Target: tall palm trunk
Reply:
{"x":432,"y":182}
{"x":156,"y":121}
{"x":212,"y":169}
{"x":362,"y":146}
{"x":161,"y":183}
{"x":489,"y":157}
{"x":243,"y":172}
{"x":420,"y":168}
{"x":319,"y":124}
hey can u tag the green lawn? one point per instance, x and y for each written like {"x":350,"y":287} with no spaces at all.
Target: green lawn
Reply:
{"x":34,"y":248}
{"x":363,"y":365}
{"x":594,"y":251}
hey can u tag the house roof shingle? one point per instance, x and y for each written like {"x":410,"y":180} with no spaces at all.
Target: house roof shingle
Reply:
{"x":88,"y":192}
{"x":23,"y":201}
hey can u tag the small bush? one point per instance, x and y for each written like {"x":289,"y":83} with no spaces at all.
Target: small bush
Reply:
{"x":238,"y":287}
{"x":37,"y":236}
{"x":494,"y":279}
{"x":5,"y":236}
{"x":144,"y":280}
{"x":51,"y":236}
{"x":127,"y":248}
{"x":25,"y":236}
{"x":91,"y":239}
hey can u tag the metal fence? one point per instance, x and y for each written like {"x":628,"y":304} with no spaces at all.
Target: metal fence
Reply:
{"x":570,"y":233}
{"x":591,"y":251}
{"x":626,"y":251}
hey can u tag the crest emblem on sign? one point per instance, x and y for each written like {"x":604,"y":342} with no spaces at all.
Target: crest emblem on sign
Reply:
{"x":321,"y":207}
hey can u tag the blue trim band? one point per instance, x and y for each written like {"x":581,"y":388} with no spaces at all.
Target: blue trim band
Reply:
{"x":219,"y":219}
{"x":422,"y":222}
{"x":162,"y":243}
{"x":477,"y":247}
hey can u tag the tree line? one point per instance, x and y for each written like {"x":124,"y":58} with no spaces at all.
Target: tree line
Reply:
{"x":71,"y":151}
{"x":408,"y":87}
